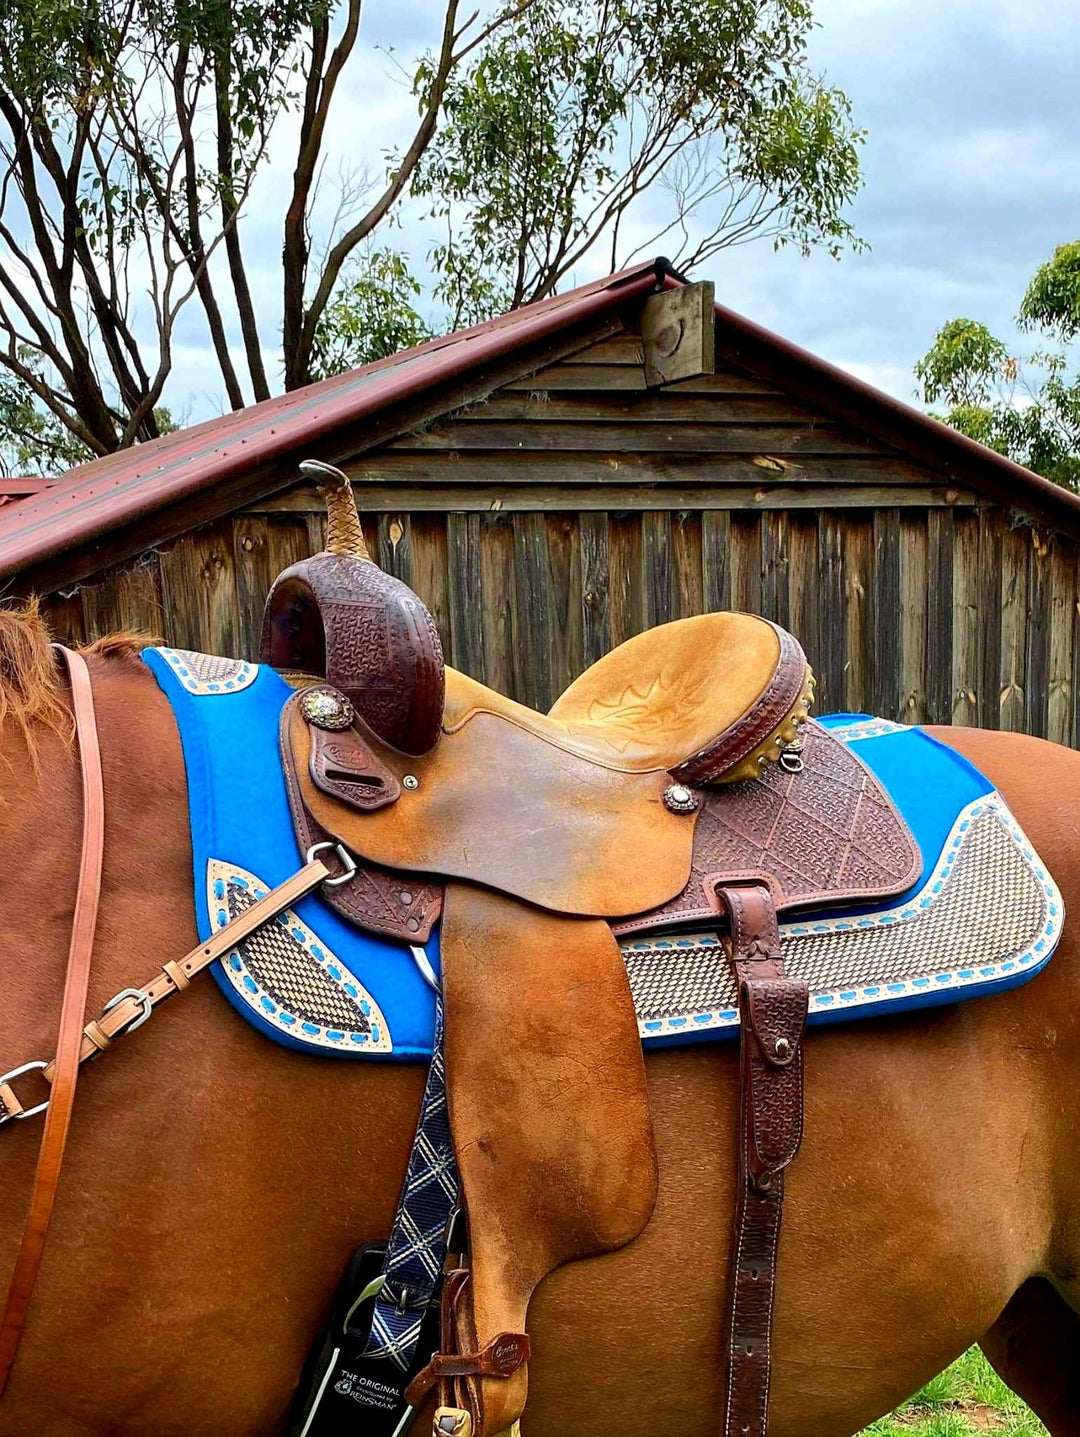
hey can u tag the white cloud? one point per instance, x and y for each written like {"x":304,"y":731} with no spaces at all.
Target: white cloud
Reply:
{"x":972,"y":172}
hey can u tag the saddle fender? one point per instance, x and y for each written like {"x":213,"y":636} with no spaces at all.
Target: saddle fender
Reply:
{"x":553,"y":1131}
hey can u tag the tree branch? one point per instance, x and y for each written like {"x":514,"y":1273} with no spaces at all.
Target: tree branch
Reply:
{"x":229,"y":214}
{"x":297,"y":363}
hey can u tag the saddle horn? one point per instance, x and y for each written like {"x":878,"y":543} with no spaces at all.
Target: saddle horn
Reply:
{"x":344,"y":533}
{"x":338,"y":616}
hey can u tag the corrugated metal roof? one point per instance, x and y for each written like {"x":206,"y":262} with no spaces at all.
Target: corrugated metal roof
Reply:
{"x":111,"y":492}
{"x":16,"y":488}
{"x":118,"y":488}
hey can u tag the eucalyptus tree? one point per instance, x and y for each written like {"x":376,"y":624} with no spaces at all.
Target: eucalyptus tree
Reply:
{"x":1026,"y":408}
{"x":133,"y":132}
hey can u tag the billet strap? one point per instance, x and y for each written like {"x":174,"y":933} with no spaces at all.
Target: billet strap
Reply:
{"x":772,"y":1009}
{"x":72,"y":1015}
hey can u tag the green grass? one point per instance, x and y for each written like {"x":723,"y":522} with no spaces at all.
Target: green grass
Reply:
{"x":968,"y":1399}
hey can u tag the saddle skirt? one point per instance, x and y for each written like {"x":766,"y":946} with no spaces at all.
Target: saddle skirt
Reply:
{"x":982,"y":914}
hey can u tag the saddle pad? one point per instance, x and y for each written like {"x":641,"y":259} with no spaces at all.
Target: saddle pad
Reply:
{"x":984,"y":915}
{"x":316,"y":983}
{"x":311,"y":981}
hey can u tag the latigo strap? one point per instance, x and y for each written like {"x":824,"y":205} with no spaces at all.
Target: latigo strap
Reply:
{"x":773,"y":1012}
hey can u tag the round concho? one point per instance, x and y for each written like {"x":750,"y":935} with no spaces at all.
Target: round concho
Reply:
{"x":326,"y":708}
{"x":680,"y":799}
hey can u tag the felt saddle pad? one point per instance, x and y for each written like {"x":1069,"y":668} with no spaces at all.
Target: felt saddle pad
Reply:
{"x":983,"y":915}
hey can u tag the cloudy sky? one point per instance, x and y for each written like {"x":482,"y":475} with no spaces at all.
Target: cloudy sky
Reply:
{"x":972,"y":170}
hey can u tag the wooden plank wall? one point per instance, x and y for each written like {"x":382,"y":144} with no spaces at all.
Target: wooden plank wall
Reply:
{"x":572,"y":509}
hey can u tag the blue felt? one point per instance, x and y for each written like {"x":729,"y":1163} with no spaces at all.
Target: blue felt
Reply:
{"x":929,"y":783}
{"x":240,"y":815}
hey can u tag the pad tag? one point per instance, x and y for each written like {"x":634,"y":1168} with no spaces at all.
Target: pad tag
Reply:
{"x":343,"y":1390}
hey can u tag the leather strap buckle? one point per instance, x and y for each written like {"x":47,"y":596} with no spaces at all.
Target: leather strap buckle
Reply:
{"x":10,"y":1106}
{"x":348,"y":863}
{"x":137,"y":996}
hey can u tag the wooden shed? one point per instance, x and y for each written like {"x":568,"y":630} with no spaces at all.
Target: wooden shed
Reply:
{"x":559,"y":478}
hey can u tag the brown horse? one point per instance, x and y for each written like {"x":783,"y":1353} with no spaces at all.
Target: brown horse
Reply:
{"x":216,"y":1184}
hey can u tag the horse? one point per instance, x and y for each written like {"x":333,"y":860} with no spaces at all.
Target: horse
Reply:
{"x":216,"y":1184}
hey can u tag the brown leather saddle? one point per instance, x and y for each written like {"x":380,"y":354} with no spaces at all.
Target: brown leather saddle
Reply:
{"x":669,"y":782}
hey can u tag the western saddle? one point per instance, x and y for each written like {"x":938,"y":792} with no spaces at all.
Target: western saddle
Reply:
{"x":536,"y":837}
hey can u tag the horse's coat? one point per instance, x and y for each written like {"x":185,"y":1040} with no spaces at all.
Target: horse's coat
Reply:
{"x":216,"y":1185}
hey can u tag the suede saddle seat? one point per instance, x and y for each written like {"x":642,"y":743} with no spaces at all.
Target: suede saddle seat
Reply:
{"x":703,"y":699}
{"x":537,"y":806}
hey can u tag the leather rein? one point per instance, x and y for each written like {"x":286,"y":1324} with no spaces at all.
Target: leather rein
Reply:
{"x":130,"y":1008}
{"x":72,"y":1012}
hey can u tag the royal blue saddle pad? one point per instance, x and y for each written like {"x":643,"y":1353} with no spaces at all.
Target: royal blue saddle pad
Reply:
{"x":984,"y":915}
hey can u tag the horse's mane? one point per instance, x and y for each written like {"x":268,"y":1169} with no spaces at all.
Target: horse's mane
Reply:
{"x":31,"y":682}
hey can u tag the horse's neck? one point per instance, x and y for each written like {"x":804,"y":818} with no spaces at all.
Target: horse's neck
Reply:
{"x":195,"y":1144}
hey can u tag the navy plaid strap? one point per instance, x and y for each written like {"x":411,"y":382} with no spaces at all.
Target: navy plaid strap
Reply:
{"x":417,"y":1246}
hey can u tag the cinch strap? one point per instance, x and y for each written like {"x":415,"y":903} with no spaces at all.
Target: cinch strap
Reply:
{"x":417,"y":1248}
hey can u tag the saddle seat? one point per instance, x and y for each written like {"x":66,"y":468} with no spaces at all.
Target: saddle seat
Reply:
{"x":536,"y":805}
{"x":701,"y":698}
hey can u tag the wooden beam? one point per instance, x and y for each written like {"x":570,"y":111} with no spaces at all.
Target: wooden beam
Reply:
{"x":665,"y":406}
{"x":578,"y":467}
{"x":677,"y":332}
{"x":525,"y":499}
{"x":638,"y":438}
{"x":603,"y":377}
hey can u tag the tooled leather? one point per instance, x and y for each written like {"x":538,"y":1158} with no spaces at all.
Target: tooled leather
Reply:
{"x":753,"y":1294}
{"x":829,"y":834}
{"x":772,"y":1007}
{"x":776,"y":1008}
{"x":381,"y":900}
{"x":757,"y":724}
{"x":382,"y":649}
{"x":335,"y":754}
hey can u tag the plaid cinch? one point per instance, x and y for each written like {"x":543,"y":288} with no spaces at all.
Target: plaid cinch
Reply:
{"x":417,"y":1247}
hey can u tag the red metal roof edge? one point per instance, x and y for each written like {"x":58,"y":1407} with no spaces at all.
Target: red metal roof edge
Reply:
{"x":121,"y":487}
{"x":17,"y":485}
{"x":899,"y":424}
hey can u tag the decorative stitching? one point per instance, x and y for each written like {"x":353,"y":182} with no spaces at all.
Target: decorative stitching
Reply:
{"x":284,"y":972}
{"x":208,"y":675}
{"x":681,"y":982}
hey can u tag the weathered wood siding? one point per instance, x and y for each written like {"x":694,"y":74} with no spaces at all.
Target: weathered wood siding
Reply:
{"x":570,"y":510}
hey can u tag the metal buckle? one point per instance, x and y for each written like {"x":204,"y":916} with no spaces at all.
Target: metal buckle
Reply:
{"x":140,"y":1019}
{"x":37,"y":1067}
{"x":347,"y":860}
{"x":791,"y":759}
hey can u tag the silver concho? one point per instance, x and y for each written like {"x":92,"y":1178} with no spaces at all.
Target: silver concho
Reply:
{"x":326,"y":708}
{"x":680,"y":799}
